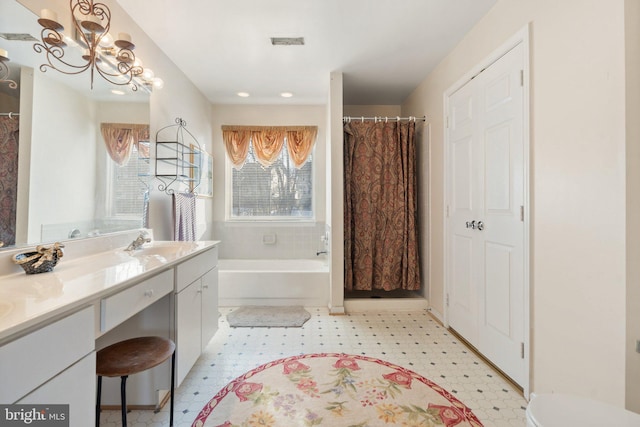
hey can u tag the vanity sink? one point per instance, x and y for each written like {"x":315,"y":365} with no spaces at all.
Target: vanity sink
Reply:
{"x":164,"y":249}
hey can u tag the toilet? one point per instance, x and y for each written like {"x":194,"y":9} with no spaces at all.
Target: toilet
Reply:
{"x":563,"y":410}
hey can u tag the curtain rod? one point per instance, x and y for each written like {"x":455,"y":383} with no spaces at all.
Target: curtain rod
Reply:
{"x":348,"y":119}
{"x":11,"y":115}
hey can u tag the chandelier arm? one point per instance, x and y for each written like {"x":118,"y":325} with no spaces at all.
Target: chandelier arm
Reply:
{"x":4,"y":75}
{"x":91,"y":22}
{"x":54,"y":55}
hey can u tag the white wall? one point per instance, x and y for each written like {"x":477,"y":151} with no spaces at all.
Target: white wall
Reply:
{"x":293,"y":240}
{"x":632,"y":30}
{"x":577,"y":184}
{"x":62,"y":185}
{"x":372,"y":110}
{"x":335,"y":183}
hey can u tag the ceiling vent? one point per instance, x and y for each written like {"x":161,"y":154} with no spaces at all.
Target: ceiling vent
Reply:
{"x":23,"y":37}
{"x":287,"y":41}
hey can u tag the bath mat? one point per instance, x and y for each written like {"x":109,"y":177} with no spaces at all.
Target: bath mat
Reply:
{"x":334,"y":389}
{"x":268,"y":316}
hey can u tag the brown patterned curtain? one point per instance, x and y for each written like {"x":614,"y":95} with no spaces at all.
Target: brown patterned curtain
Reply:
{"x":9,"y":137}
{"x":119,"y":138}
{"x":381,"y":208}
{"x":268,"y":142}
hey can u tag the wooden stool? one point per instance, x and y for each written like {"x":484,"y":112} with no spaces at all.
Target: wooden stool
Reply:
{"x":130,"y":357}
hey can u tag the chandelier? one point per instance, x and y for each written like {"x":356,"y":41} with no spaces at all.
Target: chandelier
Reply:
{"x":4,"y":70}
{"x":112,"y":60}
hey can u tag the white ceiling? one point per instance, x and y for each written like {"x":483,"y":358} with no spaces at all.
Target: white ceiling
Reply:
{"x":384,"y":48}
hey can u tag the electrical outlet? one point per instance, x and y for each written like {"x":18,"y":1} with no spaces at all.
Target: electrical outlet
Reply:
{"x":269,"y":239}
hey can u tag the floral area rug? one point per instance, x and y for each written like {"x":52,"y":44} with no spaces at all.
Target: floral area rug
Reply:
{"x":333,"y":389}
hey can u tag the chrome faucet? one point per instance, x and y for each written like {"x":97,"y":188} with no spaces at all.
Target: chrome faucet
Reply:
{"x":142,"y":238}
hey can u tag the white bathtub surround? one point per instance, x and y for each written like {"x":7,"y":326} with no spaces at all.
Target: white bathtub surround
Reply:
{"x":268,"y":240}
{"x":274,"y":282}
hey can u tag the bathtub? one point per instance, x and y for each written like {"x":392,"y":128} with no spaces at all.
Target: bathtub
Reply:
{"x":273,"y":282}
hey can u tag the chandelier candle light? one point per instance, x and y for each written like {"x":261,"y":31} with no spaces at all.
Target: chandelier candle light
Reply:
{"x":4,"y":70}
{"x":92,"y":22}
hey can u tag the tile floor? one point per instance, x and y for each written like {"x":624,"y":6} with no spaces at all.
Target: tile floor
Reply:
{"x":410,"y":339}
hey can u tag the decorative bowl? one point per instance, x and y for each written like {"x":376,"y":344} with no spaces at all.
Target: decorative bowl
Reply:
{"x":42,"y":260}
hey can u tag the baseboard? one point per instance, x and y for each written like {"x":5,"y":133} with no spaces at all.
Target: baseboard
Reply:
{"x":359,"y":305}
{"x":239,"y":302}
{"x":436,"y":314}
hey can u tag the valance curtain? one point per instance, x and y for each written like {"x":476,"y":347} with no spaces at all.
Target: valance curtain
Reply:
{"x":268,"y":142}
{"x":119,"y":138}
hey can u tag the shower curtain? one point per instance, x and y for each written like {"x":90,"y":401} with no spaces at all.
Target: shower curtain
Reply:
{"x":380,"y":222}
{"x":8,"y":179}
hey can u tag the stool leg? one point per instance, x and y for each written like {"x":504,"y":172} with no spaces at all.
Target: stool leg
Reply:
{"x":123,"y":397}
{"x":98,"y":400}
{"x":173,"y":368}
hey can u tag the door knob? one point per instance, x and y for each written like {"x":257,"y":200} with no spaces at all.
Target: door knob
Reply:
{"x":471,"y":225}
{"x":480,"y":225}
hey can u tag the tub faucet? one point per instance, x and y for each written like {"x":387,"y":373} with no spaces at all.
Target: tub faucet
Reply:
{"x":321,"y":252}
{"x":139,"y":241}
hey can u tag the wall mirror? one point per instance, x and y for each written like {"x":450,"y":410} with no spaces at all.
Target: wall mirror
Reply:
{"x":63,"y":181}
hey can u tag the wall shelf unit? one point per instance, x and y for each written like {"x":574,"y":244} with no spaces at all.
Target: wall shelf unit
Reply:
{"x":178,"y":159}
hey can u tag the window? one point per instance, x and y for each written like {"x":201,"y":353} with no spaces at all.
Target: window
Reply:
{"x":128,"y":186}
{"x":278,"y":192}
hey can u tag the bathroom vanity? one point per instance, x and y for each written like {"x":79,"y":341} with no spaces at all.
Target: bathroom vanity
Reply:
{"x":51,"y":324}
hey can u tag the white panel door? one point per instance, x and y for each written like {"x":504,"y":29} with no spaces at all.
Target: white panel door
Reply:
{"x":501,"y":278}
{"x":485,"y":228}
{"x":463,"y":170}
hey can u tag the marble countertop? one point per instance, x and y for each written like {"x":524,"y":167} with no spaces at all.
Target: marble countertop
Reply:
{"x":31,"y":300}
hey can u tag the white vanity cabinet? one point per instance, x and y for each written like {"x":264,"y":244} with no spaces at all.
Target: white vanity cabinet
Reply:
{"x":196,"y":309}
{"x":38,"y":368}
{"x":51,"y":325}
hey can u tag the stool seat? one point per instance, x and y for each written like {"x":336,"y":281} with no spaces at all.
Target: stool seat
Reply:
{"x":133,"y":355}
{"x":129,"y":357}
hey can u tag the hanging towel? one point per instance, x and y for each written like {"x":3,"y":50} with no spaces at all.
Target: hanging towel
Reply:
{"x":184,"y":216}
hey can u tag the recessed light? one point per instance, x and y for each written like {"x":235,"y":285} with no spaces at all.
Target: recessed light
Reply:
{"x":243,"y":94}
{"x":117,"y":92}
{"x":286,"y":94}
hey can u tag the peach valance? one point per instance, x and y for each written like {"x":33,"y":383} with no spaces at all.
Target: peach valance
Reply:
{"x":267,"y":143}
{"x":119,"y":138}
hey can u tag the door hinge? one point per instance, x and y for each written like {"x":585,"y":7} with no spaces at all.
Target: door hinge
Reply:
{"x":447,"y":213}
{"x":522,"y":78}
{"x":447,"y":300}
{"x":522,"y":213}
{"x":522,"y":350}
{"x":447,"y":122}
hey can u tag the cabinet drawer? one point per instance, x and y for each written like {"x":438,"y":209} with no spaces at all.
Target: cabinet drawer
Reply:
{"x":121,"y":306}
{"x":195,"y":268}
{"x":35,"y":358}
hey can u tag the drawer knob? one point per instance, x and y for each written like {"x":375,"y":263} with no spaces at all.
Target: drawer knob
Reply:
{"x":148,"y":293}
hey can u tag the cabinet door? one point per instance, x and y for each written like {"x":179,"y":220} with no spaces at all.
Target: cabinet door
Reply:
{"x":76,"y":387}
{"x":209,"y":306}
{"x":188,"y":327}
